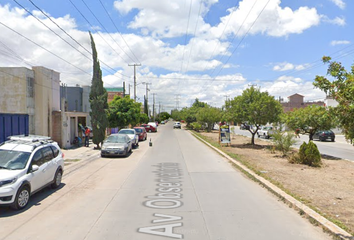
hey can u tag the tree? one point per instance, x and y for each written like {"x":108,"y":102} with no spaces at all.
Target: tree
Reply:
{"x":164,"y":115}
{"x":191,"y":113}
{"x":253,"y":107}
{"x":98,"y":101}
{"x":123,"y":112}
{"x":342,"y":90}
{"x":209,"y":116}
{"x":309,"y":119}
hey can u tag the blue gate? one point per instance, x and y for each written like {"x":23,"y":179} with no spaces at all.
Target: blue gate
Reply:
{"x":13,"y":124}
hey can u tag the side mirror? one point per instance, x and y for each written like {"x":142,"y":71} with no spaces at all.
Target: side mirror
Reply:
{"x":34,"y":168}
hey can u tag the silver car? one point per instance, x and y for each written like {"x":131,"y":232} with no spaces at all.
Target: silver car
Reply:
{"x":132,"y":134}
{"x":116,"y":145}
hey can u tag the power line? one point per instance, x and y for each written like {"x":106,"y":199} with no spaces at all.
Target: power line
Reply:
{"x":118,"y":31}
{"x":45,"y":49}
{"x":105,"y":28}
{"x":89,"y":58}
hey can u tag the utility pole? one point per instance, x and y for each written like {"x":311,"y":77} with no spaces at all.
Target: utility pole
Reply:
{"x":129,"y":90}
{"x":134,"y":65}
{"x":153,"y":106}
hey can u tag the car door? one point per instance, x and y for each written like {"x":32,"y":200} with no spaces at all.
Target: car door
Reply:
{"x":38,"y":178}
{"x":51,"y":164}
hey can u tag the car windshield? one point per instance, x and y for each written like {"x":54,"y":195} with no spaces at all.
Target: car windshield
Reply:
{"x":13,"y":159}
{"x":116,"y":139}
{"x":126,"y":131}
{"x":139,"y":130}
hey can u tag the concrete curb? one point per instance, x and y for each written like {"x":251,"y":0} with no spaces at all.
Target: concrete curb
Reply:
{"x":313,"y":216}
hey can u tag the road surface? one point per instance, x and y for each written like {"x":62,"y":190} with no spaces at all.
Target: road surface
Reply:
{"x":176,"y":189}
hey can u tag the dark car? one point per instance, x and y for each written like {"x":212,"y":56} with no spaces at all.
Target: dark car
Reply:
{"x":149,"y":128}
{"x":323,"y":135}
{"x":141,"y":133}
{"x":244,"y":126}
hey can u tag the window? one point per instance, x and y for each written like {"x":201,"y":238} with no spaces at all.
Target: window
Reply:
{"x":55,"y":151}
{"x":38,"y":158}
{"x":47,"y":154}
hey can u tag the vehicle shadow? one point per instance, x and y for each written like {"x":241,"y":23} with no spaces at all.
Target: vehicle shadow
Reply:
{"x":34,"y":200}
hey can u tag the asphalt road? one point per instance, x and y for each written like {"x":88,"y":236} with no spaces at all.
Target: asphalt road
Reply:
{"x":338,"y":149}
{"x":176,"y":189}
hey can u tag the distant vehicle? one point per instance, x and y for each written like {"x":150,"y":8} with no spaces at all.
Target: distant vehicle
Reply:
{"x":162,"y":122}
{"x":132,"y":134}
{"x":149,"y":128}
{"x":266,"y":132}
{"x":116,"y":145}
{"x":177,"y":125}
{"x":141,"y":131}
{"x":323,"y":135}
{"x":244,"y":126}
{"x":27,"y":165}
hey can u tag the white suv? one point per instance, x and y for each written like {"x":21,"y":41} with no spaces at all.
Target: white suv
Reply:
{"x":27,"y":165}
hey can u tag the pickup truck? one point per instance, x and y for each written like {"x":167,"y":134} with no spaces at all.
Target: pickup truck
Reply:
{"x":265,"y":132}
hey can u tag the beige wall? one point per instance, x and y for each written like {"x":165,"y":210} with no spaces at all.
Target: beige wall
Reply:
{"x":13,"y":89}
{"x":45,"y":86}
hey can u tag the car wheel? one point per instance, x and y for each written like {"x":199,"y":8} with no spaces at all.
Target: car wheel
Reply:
{"x":57,"y":179}
{"x":22,"y":198}
{"x":258,"y":135}
{"x":332,"y":139}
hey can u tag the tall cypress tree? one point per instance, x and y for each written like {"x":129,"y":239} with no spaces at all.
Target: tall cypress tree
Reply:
{"x":98,"y":101}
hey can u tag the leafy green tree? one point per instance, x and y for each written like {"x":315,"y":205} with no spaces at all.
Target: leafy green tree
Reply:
{"x":309,"y":119}
{"x":144,"y":118}
{"x":341,"y":88}
{"x":123,"y":112}
{"x":98,"y":101}
{"x":164,"y":115}
{"x":254,"y":108}
{"x":190,"y":114}
{"x":209,"y":116}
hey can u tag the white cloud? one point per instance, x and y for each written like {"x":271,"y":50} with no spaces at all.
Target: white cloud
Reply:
{"x":285,"y":66}
{"x":273,"y":21}
{"x":340,"y":3}
{"x":165,"y":18}
{"x":340,"y":21}
{"x":339,"y":42}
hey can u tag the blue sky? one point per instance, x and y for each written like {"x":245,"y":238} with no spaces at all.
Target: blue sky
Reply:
{"x":206,"y":49}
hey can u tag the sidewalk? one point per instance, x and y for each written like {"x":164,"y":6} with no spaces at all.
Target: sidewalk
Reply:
{"x":78,"y":154}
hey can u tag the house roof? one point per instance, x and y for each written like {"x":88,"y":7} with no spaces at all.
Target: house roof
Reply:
{"x":296,"y":94}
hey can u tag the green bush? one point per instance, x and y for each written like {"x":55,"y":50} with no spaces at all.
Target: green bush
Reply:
{"x":283,"y":141}
{"x":196,"y":126}
{"x":310,"y":155}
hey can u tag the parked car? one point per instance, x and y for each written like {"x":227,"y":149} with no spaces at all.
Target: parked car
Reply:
{"x":141,"y":133}
{"x":323,"y":135}
{"x":27,"y":165}
{"x":154,"y":124}
{"x":177,"y":125}
{"x":132,"y":134}
{"x":117,"y":145}
{"x":149,"y":128}
{"x":244,"y":126}
{"x":266,"y":132}
{"x":163,"y":122}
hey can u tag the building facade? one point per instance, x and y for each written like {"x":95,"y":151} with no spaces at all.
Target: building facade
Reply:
{"x":297,"y":101}
{"x":31,"y":91}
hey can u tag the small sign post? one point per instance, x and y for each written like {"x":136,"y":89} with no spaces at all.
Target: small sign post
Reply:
{"x":224,"y":135}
